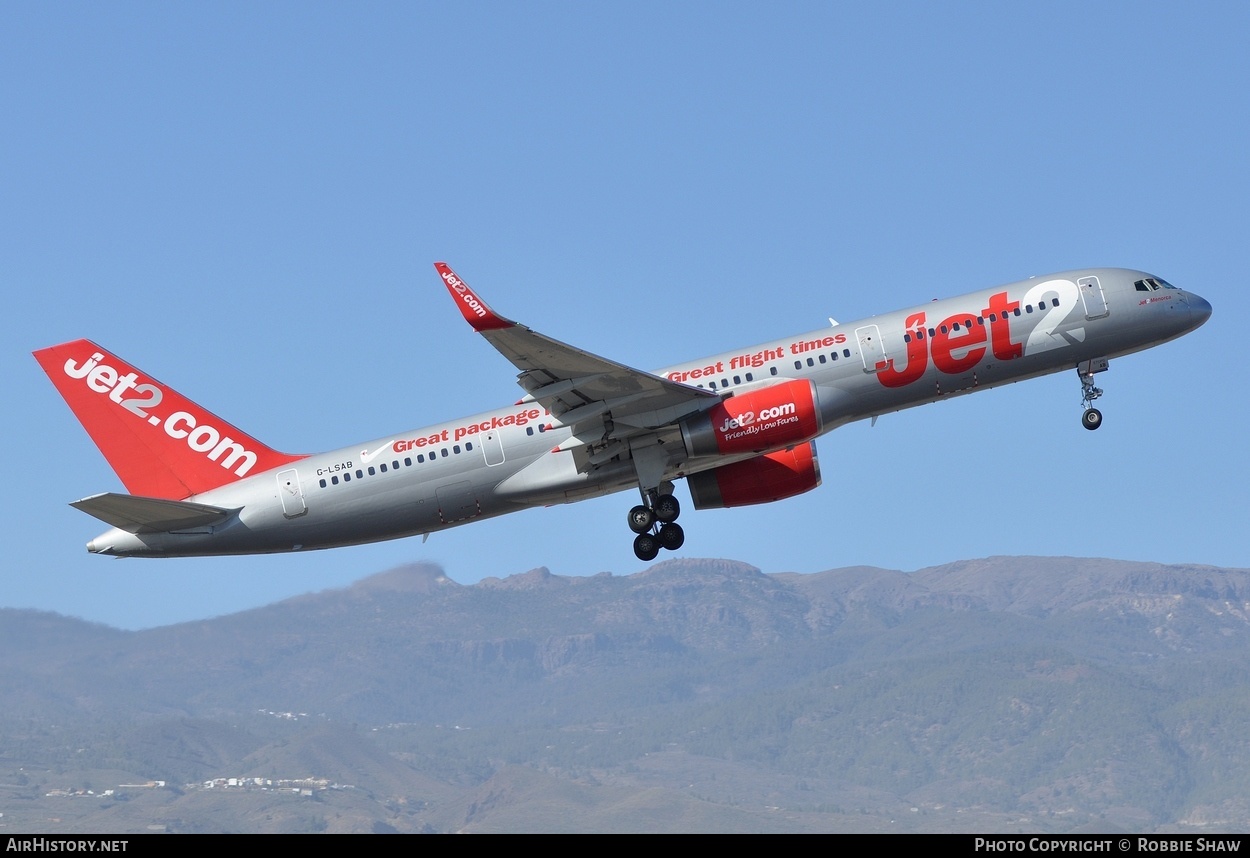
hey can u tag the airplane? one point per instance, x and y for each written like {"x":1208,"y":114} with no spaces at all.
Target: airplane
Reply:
{"x":739,"y":427}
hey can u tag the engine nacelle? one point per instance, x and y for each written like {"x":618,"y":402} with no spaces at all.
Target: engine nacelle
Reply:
{"x":765,"y":419}
{"x":764,"y":479}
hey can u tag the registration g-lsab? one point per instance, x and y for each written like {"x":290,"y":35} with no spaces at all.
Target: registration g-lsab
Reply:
{"x":738,"y":427}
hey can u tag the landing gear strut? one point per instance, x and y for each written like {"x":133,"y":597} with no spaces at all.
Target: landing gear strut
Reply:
{"x":655,"y":522}
{"x":1092,"y":418}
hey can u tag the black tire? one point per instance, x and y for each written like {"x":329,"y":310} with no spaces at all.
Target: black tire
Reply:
{"x":667,"y":508}
{"x":646,"y":547}
{"x":641,"y":518}
{"x":671,"y":536}
{"x":1091,"y":419}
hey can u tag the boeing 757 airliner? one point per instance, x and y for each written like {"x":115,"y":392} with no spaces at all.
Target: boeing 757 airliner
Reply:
{"x":739,"y":426}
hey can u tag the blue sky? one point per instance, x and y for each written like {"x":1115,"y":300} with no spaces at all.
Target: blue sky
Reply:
{"x":245,"y":200}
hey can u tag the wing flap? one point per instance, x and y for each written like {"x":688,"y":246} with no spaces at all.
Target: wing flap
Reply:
{"x":136,"y":514}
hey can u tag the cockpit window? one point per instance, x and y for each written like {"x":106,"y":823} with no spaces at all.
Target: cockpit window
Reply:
{"x":1152,"y":284}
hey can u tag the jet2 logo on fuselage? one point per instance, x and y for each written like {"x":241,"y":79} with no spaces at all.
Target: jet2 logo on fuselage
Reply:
{"x":961,"y":341}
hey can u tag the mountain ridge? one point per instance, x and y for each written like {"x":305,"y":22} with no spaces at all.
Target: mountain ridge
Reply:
{"x":1066,"y":691}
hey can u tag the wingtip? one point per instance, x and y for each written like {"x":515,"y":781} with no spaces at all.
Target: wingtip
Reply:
{"x":475,"y":311}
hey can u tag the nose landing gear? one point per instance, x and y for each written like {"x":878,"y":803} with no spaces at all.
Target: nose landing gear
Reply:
{"x":1091,"y":418}
{"x":655,"y":522}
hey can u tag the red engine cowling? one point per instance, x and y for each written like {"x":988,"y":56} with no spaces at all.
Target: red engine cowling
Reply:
{"x":764,"y":479}
{"x":764,"y":419}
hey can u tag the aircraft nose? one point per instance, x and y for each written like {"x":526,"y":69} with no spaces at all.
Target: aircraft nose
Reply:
{"x":1199,"y":309}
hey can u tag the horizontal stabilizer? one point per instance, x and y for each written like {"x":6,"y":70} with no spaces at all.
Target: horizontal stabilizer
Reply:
{"x":136,"y":514}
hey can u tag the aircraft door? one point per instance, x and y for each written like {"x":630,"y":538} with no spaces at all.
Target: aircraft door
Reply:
{"x":492,"y":447}
{"x":1091,"y":295}
{"x":291,"y":494}
{"x":457,"y":502}
{"x":870,"y":348}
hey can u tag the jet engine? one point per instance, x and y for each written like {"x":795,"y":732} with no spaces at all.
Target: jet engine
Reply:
{"x":765,"y":419}
{"x":767,"y":478}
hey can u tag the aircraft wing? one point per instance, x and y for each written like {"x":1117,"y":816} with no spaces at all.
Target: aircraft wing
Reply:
{"x":573,"y":384}
{"x":136,"y":514}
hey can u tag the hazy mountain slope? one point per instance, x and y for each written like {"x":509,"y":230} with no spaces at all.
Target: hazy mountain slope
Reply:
{"x":696,"y":695}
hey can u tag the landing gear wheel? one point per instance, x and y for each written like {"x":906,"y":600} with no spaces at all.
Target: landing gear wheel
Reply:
{"x":646,"y":547}
{"x":640,"y":520}
{"x":1092,"y":418}
{"x":671,"y":536}
{"x":667,"y":508}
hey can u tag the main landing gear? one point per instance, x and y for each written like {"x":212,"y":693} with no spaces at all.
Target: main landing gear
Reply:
{"x":1092,"y":418}
{"x":655,"y":522}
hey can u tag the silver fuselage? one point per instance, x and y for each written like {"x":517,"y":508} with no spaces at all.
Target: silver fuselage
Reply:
{"x":502,"y":461}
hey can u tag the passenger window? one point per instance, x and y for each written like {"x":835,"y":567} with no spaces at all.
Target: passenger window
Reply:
{"x":347,"y":478}
{"x":407,"y":461}
{"x":811,"y":362}
{"x":822,"y":359}
{"x":749,"y":378}
{"x":1054,"y":302}
{"x":360,"y":475}
{"x":798,"y":364}
{"x":468,"y":445}
{"x":371,"y":471}
{"x":334,"y":480}
{"x":737,"y":379}
{"x":846,"y":353}
{"x":1028,"y":308}
{"x":456,"y":449}
{"x":444,"y":451}
{"x":772,"y":370}
{"x":323,"y":484}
